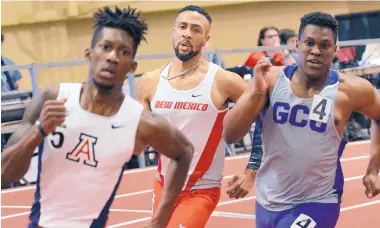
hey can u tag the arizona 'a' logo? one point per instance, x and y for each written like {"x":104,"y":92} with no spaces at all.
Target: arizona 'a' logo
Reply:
{"x":84,"y":150}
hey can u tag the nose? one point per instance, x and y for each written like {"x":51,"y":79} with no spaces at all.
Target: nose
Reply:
{"x":186,"y":33}
{"x":315,"y":50}
{"x":113,"y":57}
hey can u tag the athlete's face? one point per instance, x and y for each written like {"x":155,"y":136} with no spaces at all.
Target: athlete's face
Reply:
{"x":111,"y":59}
{"x":190,"y":34}
{"x":316,"y":50}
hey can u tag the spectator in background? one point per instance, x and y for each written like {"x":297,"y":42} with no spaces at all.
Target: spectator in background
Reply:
{"x":9,"y":79}
{"x":269,"y":36}
{"x":289,"y":37}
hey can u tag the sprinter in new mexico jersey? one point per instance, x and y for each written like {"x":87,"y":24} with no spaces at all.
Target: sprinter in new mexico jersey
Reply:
{"x":192,"y":93}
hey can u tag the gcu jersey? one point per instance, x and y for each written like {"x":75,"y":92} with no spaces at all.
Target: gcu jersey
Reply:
{"x":81,"y":164}
{"x":193,"y":112}
{"x":301,"y":147}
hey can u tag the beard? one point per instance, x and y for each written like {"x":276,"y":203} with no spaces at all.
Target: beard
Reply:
{"x":187,"y":56}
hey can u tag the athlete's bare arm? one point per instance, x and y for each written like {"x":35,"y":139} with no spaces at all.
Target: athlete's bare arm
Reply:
{"x":16,"y":157}
{"x":366,"y":100}
{"x":375,"y":146}
{"x":146,"y":88}
{"x":230,"y":84}
{"x":155,"y":131}
{"x":239,"y":119}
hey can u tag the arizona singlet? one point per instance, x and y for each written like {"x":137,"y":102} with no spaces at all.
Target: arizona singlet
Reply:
{"x":80,"y":164}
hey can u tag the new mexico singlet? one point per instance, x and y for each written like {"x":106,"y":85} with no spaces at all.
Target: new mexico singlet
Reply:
{"x":194,"y":114}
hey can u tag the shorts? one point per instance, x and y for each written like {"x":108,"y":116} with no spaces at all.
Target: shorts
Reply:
{"x":308,"y":215}
{"x":192,"y":204}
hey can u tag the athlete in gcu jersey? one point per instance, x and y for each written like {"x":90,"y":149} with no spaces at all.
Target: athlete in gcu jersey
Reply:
{"x":304,"y":109}
{"x":87,"y":132}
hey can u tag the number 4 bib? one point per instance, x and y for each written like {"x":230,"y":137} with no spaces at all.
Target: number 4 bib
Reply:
{"x":320,"y":109}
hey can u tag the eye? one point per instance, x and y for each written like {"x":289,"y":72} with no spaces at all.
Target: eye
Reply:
{"x":124,"y":52}
{"x":309,"y":43}
{"x":106,"y":46}
{"x":325,"y":46}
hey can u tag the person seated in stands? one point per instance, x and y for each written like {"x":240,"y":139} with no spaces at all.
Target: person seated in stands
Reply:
{"x":354,"y":132}
{"x":289,"y":37}
{"x":268,"y":36}
{"x":10,"y":80}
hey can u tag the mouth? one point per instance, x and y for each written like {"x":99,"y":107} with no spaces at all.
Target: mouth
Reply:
{"x":314,"y":62}
{"x":108,"y":72}
{"x":185,"y":45}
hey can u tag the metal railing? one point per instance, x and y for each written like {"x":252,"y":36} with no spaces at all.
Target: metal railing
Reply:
{"x":34,"y":67}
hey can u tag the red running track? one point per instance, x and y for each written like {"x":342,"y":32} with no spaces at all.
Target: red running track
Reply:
{"x":132,"y":205}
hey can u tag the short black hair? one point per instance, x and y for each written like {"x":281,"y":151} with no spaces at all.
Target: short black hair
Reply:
{"x":197,"y":9}
{"x":319,"y":19}
{"x":262,"y":33}
{"x":126,"y":19}
{"x":286,"y":34}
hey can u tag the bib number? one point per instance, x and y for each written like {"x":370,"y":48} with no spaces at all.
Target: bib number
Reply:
{"x":303,"y":221}
{"x":320,"y":109}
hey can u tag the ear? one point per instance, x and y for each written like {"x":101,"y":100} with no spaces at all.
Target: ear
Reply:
{"x":297,"y":44}
{"x":87,"y":54}
{"x":206,"y":40}
{"x":134,"y":67}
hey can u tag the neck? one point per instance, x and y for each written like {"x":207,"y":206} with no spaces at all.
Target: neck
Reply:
{"x":95,"y":101}
{"x":312,"y":83}
{"x":181,"y":66}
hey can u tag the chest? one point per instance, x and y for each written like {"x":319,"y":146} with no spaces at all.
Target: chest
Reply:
{"x":90,"y":143}
{"x":316,"y":114}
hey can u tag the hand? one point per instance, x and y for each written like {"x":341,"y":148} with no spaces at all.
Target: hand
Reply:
{"x":286,"y":53}
{"x":372,"y":184}
{"x":240,"y":185}
{"x":53,"y":114}
{"x":260,"y":76}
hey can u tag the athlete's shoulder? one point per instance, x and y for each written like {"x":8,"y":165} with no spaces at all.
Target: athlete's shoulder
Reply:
{"x":352,"y":83}
{"x":149,"y":79}
{"x":355,"y":89}
{"x":225,"y":75}
{"x":153,"y":74}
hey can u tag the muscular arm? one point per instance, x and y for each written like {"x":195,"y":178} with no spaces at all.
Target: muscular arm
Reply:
{"x":257,"y":148}
{"x":232,"y":85}
{"x":155,"y":131}
{"x":374,"y":164}
{"x":21,"y":145}
{"x":235,"y":87}
{"x":240,"y":118}
{"x":366,"y":100}
{"x":372,"y":111}
{"x":146,"y":87}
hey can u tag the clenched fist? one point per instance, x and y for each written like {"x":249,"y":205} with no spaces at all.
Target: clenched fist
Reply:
{"x":371,"y":183}
{"x":261,"y":69}
{"x":240,"y":185}
{"x":52,"y":115}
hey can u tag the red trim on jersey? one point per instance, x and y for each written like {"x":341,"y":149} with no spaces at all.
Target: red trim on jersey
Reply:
{"x":159,"y":167}
{"x":208,"y":153}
